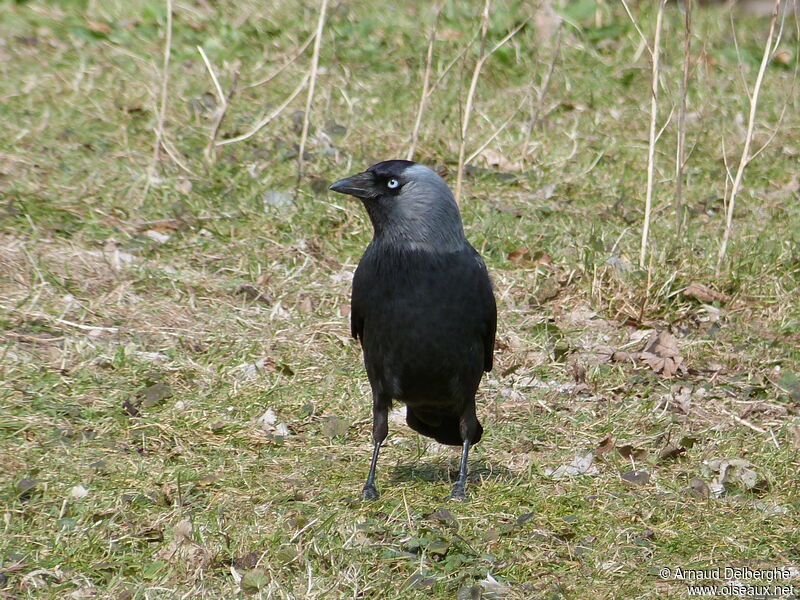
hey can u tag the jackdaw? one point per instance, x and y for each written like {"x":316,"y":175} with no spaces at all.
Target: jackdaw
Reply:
{"x":422,"y":307}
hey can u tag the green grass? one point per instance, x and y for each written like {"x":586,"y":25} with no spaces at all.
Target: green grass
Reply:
{"x":123,"y":358}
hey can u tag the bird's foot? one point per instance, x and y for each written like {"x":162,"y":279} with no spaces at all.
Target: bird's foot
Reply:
{"x":369,"y":492}
{"x":458,"y":493}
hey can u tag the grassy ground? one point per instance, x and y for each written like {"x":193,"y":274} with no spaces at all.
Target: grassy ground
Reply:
{"x":183,"y":412}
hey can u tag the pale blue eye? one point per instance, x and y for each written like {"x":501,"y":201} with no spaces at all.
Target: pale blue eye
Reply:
{"x":393,"y":184}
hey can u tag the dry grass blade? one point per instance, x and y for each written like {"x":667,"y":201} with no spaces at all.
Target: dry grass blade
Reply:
{"x":470,"y":96}
{"x":224,"y":100}
{"x":425,"y":83}
{"x":210,"y":69}
{"x":681,"y":150}
{"x":261,"y":124}
{"x":285,"y":65}
{"x":312,"y":84}
{"x":495,"y":133}
{"x":162,"y":109}
{"x":537,"y":109}
{"x":745,"y":158}
{"x":651,"y":147}
{"x":482,"y":57}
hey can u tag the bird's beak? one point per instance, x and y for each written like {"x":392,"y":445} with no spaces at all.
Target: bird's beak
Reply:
{"x":360,"y":185}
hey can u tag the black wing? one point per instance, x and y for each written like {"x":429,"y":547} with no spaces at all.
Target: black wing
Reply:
{"x":488,"y":309}
{"x":360,"y":287}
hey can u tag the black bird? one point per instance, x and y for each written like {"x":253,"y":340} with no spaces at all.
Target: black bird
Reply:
{"x":422,"y":308}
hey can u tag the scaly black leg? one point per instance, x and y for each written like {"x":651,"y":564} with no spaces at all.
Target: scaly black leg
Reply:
{"x":461,"y":483}
{"x":380,"y":429}
{"x":369,"y":492}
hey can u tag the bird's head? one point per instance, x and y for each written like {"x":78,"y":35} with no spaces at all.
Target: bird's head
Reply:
{"x":408,"y":204}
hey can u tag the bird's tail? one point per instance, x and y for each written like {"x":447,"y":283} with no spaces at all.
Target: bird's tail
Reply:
{"x":443,"y":427}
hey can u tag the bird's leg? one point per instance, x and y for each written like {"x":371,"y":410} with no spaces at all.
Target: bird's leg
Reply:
{"x":461,"y":483}
{"x":469,"y":428}
{"x":380,"y":429}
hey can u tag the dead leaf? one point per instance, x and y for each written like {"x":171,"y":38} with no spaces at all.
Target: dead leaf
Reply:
{"x":783,"y":57}
{"x":670,"y":452}
{"x":449,"y":35}
{"x":207,"y":480}
{"x":248,"y":561}
{"x":254,"y":368}
{"x":730,"y":471}
{"x":580,"y":465}
{"x":578,"y":373}
{"x":183,"y":550}
{"x":628,"y":451}
{"x":493,"y":589}
{"x":156,"y":236}
{"x":698,"y":488}
{"x":605,"y":446}
{"x":156,"y":394}
{"x":661,"y":354}
{"x":130,"y":409}
{"x":255,"y":294}
{"x":443,"y":516}
{"x":524,"y":257}
{"x":703,"y":293}
{"x":270,"y":424}
{"x":636,"y":478}
{"x":306,"y":304}
{"x":98,"y":27}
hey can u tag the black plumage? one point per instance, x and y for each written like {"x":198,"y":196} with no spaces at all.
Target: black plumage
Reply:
{"x":422,"y":308}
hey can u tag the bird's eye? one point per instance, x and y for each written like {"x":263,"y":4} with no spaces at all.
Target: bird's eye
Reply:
{"x":393,"y":184}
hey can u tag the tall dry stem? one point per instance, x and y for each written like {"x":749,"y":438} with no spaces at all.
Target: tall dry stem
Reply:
{"x":483,"y":57}
{"x":462,"y":147}
{"x":537,"y":109}
{"x":425,"y":84}
{"x":680,"y":158}
{"x":209,"y":152}
{"x":751,"y":121}
{"x":651,"y":146}
{"x":162,"y":108}
{"x":311,"y":85}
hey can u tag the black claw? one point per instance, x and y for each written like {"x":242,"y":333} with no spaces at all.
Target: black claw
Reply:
{"x":458,"y":494}
{"x":369,"y":493}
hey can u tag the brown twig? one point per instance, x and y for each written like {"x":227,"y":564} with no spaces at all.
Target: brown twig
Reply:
{"x":745,"y":159}
{"x":651,"y":147}
{"x":681,"y":151}
{"x":311,"y":86}
{"x":425,"y":82}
